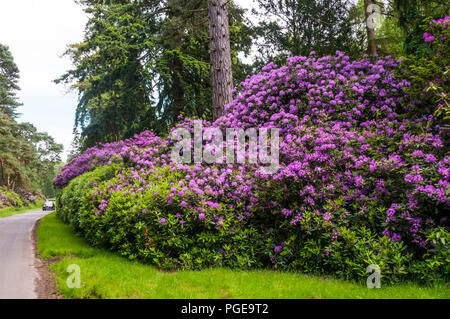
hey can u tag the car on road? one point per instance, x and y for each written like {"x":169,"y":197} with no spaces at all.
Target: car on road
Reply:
{"x":48,"y":205}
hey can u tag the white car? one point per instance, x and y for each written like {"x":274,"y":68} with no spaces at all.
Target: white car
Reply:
{"x":48,"y":205}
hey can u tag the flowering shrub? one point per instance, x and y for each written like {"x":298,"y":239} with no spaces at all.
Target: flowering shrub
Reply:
{"x":28,"y":197}
{"x":18,"y":198}
{"x":9,"y":198}
{"x":101,"y":155}
{"x":363,"y":179}
{"x":430,"y":75}
{"x":439,"y":38}
{"x":3,"y":200}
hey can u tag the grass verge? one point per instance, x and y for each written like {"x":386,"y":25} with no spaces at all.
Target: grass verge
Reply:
{"x":105,"y":275}
{"x":9,"y":211}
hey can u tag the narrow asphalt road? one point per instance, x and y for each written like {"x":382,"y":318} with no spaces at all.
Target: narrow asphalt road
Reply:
{"x":17,"y":270}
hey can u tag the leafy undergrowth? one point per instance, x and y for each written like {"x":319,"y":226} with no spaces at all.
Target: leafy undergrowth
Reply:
{"x":105,"y":275}
{"x":9,"y":211}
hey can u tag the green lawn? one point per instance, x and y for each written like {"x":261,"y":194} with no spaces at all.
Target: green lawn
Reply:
{"x":105,"y":275}
{"x":9,"y":211}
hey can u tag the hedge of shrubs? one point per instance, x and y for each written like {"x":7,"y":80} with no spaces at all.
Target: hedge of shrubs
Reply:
{"x":18,"y":198}
{"x":364,"y":179}
{"x":9,"y":198}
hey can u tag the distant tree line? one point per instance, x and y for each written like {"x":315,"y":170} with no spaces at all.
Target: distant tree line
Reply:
{"x":28,"y":159}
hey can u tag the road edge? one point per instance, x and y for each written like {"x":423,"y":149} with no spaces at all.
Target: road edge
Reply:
{"x":45,"y":280}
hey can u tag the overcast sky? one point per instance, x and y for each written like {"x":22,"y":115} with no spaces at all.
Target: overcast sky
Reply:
{"x":37,"y":33}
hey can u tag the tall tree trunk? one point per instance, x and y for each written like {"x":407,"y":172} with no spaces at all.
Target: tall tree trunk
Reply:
{"x":177,"y":72}
{"x":2,"y":168}
{"x":372,"y":44}
{"x":115,"y":118}
{"x":178,"y":101}
{"x":221,"y":72}
{"x":174,"y":33}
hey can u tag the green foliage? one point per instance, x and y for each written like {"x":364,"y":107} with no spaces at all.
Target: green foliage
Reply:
{"x":145,"y":227}
{"x":429,"y":74}
{"x":410,"y":15}
{"x":9,"y":198}
{"x":9,"y":77}
{"x":437,"y":263}
{"x":143,"y":64}
{"x":28,"y":158}
{"x":361,"y":248}
{"x":291,"y":28}
{"x":390,"y":38}
{"x":157,"y":236}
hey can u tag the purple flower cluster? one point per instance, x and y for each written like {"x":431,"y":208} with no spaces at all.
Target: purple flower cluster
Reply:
{"x":19,"y":197}
{"x":116,"y":152}
{"x":428,"y":37}
{"x":443,"y":23}
{"x":349,"y":150}
{"x":26,"y":195}
{"x":3,"y":200}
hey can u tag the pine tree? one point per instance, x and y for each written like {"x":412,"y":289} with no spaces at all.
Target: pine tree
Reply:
{"x":27,"y":157}
{"x":9,"y":77}
{"x":221,"y":71}
{"x":297,"y":27}
{"x":142,"y":64}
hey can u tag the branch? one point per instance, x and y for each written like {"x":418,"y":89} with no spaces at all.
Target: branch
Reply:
{"x":162,"y":10}
{"x":198,"y":10}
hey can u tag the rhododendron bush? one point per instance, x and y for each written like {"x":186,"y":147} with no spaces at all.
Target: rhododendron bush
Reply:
{"x":363,"y":179}
{"x":18,"y":198}
{"x":430,"y":74}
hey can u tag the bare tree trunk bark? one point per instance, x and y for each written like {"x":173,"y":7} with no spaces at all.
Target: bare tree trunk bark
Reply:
{"x":178,"y":101}
{"x":372,"y":44}
{"x":2,"y":168}
{"x":115,"y":125}
{"x":221,"y":72}
{"x":175,"y":32}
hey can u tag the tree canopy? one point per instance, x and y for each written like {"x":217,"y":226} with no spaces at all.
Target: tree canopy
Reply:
{"x":28,"y":158}
{"x":142,"y":64}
